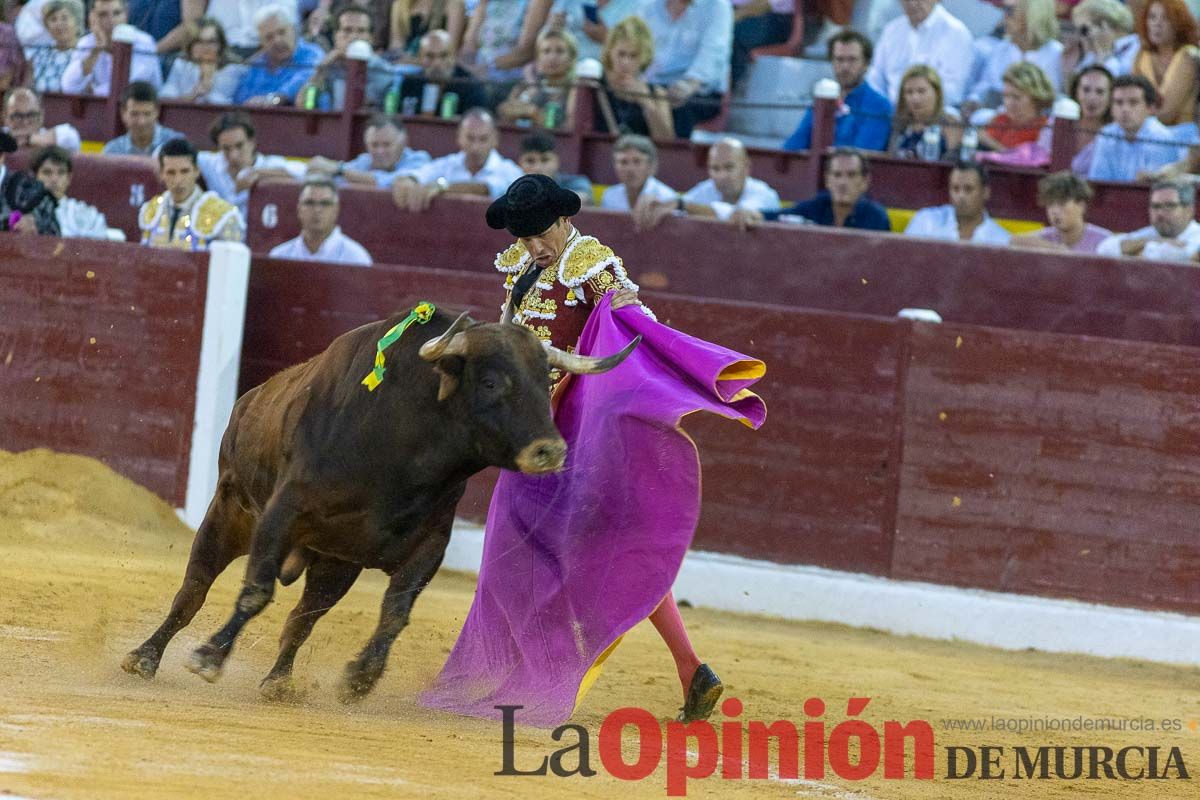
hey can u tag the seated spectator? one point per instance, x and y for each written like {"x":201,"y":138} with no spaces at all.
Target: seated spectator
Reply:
{"x":139,"y":114}
{"x":729,"y":188}
{"x":233,"y":169}
{"x":591,"y":35}
{"x":282,"y":67}
{"x":184,"y":217}
{"x":501,"y":35}
{"x":14,"y":68}
{"x":926,"y":34}
{"x":1091,"y":88}
{"x":239,"y":20}
{"x":207,"y":71}
{"x":1173,"y":233}
{"x":23,"y":117}
{"x":387,"y":156}
{"x":1167,"y":58}
{"x":422,"y":92}
{"x":692,"y":42}
{"x":53,"y":167}
{"x":169,"y":22}
{"x":1028,"y":97}
{"x":64,"y":22}
{"x":966,"y":218}
{"x":320,"y":237}
{"x":25,"y":204}
{"x":538,"y":157}
{"x":635,"y":160}
{"x":1135,"y":143}
{"x":90,"y":68}
{"x":1030,"y":36}
{"x":864,"y":115}
{"x":757,"y":23}
{"x":921,"y":107}
{"x":476,"y":169}
{"x":410,"y":20}
{"x":351,"y":24}
{"x":1105,"y":37}
{"x":843,"y":203}
{"x":549,"y":81}
{"x":1065,"y":196}
{"x":626,"y":102}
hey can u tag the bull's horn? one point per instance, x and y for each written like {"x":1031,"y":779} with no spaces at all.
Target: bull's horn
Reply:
{"x":450,"y":343}
{"x":588,"y":365}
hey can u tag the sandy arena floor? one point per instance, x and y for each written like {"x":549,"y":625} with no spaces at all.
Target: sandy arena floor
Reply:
{"x":89,"y":563}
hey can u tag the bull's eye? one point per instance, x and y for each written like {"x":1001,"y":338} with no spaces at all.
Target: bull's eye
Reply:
{"x":489,"y":384}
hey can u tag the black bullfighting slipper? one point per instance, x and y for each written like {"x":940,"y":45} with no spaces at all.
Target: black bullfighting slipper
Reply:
{"x":703,"y":694}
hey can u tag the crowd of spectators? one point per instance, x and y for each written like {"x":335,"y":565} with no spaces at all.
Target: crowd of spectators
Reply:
{"x":923,"y":89}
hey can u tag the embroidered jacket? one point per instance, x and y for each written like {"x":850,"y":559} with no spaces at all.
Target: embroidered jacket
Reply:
{"x":204,"y":218}
{"x":557,"y":305}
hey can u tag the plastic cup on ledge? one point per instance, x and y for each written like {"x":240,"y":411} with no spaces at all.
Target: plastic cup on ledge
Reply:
{"x":125,"y":33}
{"x":359,"y":50}
{"x":589,"y":69}
{"x":1066,"y":108}
{"x":826,"y":89}
{"x":920,"y":315}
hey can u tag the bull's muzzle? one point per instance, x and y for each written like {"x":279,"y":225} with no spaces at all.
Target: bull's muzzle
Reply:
{"x":542,"y":455}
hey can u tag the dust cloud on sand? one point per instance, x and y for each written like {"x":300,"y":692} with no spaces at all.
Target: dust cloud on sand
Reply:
{"x":89,"y":563}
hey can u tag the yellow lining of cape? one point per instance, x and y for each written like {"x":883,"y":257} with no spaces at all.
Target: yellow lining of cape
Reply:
{"x":750,"y":369}
{"x":593,"y":672}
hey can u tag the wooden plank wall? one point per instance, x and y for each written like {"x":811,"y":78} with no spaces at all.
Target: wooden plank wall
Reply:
{"x":99,"y":350}
{"x":808,"y":267}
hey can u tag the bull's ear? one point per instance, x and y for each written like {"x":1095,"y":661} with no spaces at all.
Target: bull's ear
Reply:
{"x":449,"y":369}
{"x":448,"y":386}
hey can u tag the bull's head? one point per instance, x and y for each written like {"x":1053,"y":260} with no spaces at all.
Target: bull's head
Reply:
{"x":499,"y":374}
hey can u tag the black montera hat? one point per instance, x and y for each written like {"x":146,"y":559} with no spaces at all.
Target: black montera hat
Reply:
{"x":531,"y":205}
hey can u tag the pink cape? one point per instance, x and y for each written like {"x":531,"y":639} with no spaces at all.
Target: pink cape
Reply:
{"x":573,"y":560}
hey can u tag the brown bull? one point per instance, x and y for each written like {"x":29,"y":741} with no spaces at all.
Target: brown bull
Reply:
{"x":320,"y":476}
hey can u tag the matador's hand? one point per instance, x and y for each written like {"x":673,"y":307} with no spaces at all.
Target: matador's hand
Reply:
{"x":624,"y":297}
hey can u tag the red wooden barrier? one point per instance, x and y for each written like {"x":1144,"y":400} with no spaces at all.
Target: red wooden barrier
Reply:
{"x":99,"y":345}
{"x":799,"y":266}
{"x":1051,"y":465}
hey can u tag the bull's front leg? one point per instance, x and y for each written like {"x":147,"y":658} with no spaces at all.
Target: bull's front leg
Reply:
{"x":405,"y":584}
{"x":262,"y":569}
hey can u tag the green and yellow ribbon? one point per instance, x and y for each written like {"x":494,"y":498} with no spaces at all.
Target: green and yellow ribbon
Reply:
{"x":422,"y":313}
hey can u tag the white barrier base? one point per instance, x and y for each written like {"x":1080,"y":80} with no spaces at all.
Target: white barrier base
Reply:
{"x":1009,"y":621}
{"x":216,"y":383}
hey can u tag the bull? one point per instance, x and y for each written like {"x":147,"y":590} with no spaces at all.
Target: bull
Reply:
{"x":318,"y":476}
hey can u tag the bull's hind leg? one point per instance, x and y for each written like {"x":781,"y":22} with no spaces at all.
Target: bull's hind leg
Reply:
{"x":325,"y":583}
{"x":262,"y":569}
{"x":405,"y":584}
{"x":222,"y":537}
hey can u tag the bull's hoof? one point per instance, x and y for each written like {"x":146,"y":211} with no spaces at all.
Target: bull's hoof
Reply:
{"x":280,"y":689}
{"x":143,"y":662}
{"x":206,"y":662}
{"x":357,"y":682}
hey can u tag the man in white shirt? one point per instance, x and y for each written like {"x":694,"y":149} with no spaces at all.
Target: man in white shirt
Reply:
{"x":237,"y":165}
{"x":388,"y":156}
{"x":635,"y":160}
{"x":237,"y":18}
{"x":52,"y":166}
{"x":729,"y":187}
{"x":925,"y":34}
{"x":320,"y":237}
{"x":966,"y":218}
{"x":1173,"y":233}
{"x":90,"y":70}
{"x":477,"y":168}
{"x":23,"y":117}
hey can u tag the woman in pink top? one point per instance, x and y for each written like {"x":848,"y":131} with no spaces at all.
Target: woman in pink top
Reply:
{"x":1065,"y":196}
